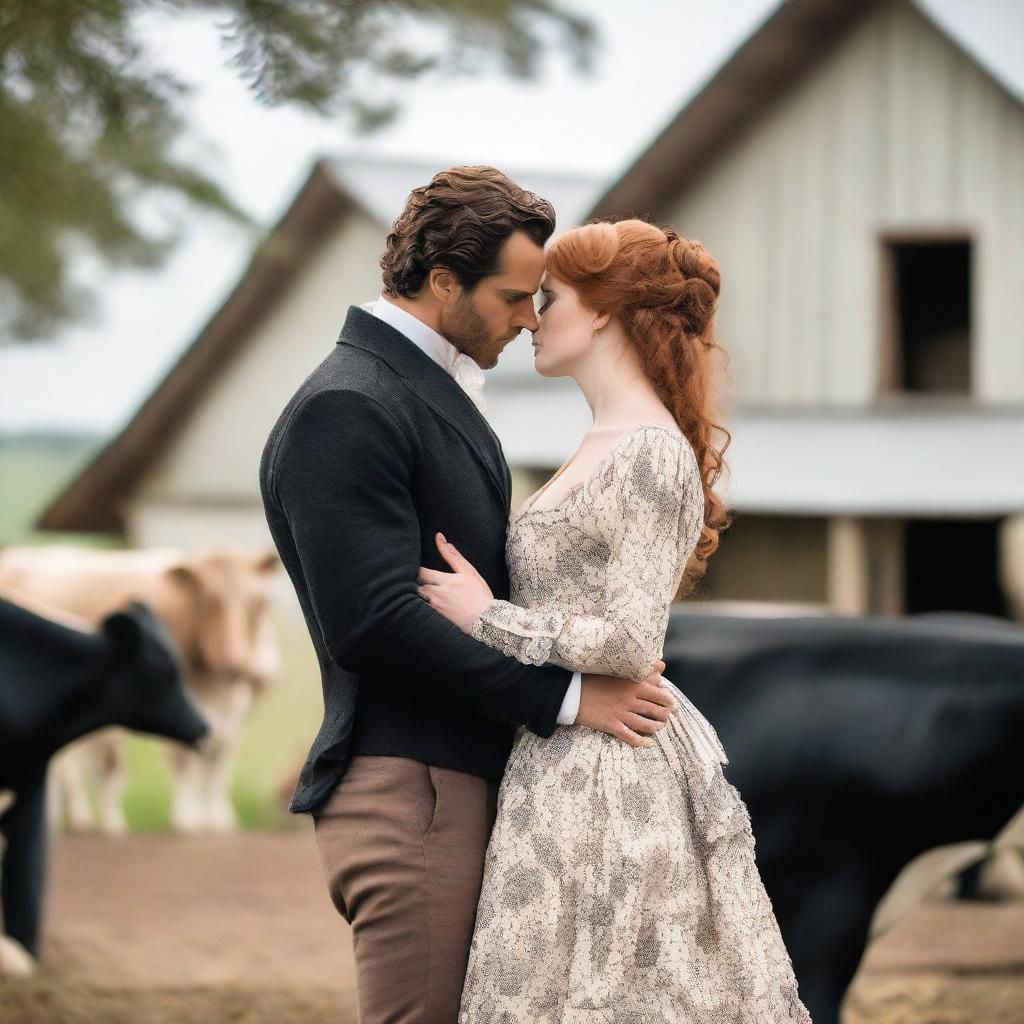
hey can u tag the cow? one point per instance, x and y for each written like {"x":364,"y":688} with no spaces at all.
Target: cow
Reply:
{"x":60,"y":679}
{"x":858,"y":744}
{"x":14,"y":958}
{"x":216,"y":603}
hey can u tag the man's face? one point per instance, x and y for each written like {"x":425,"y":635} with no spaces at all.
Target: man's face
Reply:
{"x":482,"y":321}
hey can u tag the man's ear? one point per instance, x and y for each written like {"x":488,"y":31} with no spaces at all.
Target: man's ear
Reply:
{"x":443,"y":284}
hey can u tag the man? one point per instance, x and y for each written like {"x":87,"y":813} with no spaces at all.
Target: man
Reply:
{"x":381,"y":447}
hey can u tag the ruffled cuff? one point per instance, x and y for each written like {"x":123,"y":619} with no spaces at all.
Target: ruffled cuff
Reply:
{"x":521,"y":633}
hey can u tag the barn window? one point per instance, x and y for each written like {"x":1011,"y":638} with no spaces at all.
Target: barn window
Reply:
{"x":929,"y":292}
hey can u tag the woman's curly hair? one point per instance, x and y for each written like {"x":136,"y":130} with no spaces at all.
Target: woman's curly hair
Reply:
{"x":460,"y":220}
{"x":663,"y":289}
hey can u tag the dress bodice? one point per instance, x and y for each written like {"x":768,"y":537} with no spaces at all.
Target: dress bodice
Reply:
{"x":592,"y":576}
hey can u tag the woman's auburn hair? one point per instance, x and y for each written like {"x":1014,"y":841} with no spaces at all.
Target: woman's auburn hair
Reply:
{"x":663,"y":289}
{"x":459,"y":220}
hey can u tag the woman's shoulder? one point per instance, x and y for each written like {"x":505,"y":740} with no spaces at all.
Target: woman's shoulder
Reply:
{"x":653,"y":457}
{"x":650,"y":483}
{"x":647,"y":438}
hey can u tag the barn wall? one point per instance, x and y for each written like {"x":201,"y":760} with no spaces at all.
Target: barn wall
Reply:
{"x":770,"y":558}
{"x":897,"y":130}
{"x":192,"y":524}
{"x":213,"y":458}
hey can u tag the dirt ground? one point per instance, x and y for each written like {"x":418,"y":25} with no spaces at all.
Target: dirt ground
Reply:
{"x":158,"y":929}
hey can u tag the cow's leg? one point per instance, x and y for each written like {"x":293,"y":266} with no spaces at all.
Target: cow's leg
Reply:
{"x":54,"y":799}
{"x":220,"y":812}
{"x":23,"y":882}
{"x":111,"y":772}
{"x":187,"y":775}
{"x":14,"y":958}
{"x":73,"y":769}
{"x":187,"y":764}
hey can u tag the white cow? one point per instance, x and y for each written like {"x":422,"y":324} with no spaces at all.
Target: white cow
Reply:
{"x":216,"y":602}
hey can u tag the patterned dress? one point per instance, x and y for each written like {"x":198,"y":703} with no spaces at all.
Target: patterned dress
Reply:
{"x":620,"y":883}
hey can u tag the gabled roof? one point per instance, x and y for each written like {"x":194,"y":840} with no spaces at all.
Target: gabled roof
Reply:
{"x":796,"y":37}
{"x":94,"y":500}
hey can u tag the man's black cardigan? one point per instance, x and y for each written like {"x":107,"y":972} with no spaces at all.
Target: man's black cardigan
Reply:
{"x":377,"y":450}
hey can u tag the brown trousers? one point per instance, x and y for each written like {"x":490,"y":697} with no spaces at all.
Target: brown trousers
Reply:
{"x":402,"y":847}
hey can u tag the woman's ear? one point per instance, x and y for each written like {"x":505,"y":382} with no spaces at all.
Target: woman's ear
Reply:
{"x":600,"y":321}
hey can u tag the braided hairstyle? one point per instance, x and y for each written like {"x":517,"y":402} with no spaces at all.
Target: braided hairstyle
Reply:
{"x":663,"y":288}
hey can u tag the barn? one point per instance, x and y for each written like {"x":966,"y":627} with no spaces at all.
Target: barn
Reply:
{"x":859,"y":175}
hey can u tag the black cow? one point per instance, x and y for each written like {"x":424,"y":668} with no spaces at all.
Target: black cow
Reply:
{"x":857,"y":744}
{"x":57,"y":684}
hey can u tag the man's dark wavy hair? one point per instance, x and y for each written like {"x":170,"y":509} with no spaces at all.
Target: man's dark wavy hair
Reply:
{"x":460,"y":220}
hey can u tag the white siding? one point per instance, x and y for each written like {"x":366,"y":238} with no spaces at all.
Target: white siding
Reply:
{"x":896,"y":130}
{"x":214,"y":455}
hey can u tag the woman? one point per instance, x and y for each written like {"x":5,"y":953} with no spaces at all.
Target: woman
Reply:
{"x":620,"y":882}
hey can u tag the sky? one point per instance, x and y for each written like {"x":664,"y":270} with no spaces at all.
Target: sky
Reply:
{"x":652,"y":56}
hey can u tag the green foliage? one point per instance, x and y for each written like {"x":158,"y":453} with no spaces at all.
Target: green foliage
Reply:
{"x":89,"y":124}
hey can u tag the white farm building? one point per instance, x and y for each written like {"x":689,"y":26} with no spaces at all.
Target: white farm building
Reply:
{"x":859,"y":175}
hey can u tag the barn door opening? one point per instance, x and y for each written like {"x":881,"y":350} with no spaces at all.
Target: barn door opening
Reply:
{"x":953,"y":565}
{"x":928,"y":317}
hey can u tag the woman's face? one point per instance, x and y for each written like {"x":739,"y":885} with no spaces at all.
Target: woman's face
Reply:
{"x":565,"y":334}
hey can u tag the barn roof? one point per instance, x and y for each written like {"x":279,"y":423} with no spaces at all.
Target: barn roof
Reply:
{"x":796,"y":37}
{"x":95,"y":499}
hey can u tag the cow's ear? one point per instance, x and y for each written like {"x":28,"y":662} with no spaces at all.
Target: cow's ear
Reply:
{"x":267,"y":561}
{"x":183,"y":574}
{"x":124,"y":630}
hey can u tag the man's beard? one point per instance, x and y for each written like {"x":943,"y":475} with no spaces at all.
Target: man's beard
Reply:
{"x":466,"y":330}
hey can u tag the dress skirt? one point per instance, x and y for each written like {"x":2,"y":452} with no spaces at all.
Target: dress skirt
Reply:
{"x":620,"y":886}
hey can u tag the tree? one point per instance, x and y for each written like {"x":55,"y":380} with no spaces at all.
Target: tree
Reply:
{"x":88,"y":122}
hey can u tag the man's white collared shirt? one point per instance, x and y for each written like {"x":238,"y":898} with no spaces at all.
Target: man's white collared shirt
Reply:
{"x":468,"y":375}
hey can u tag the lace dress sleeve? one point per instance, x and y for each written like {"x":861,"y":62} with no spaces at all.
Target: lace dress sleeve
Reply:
{"x":647,"y":505}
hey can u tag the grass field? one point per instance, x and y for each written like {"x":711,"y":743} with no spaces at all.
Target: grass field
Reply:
{"x":32,"y":471}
